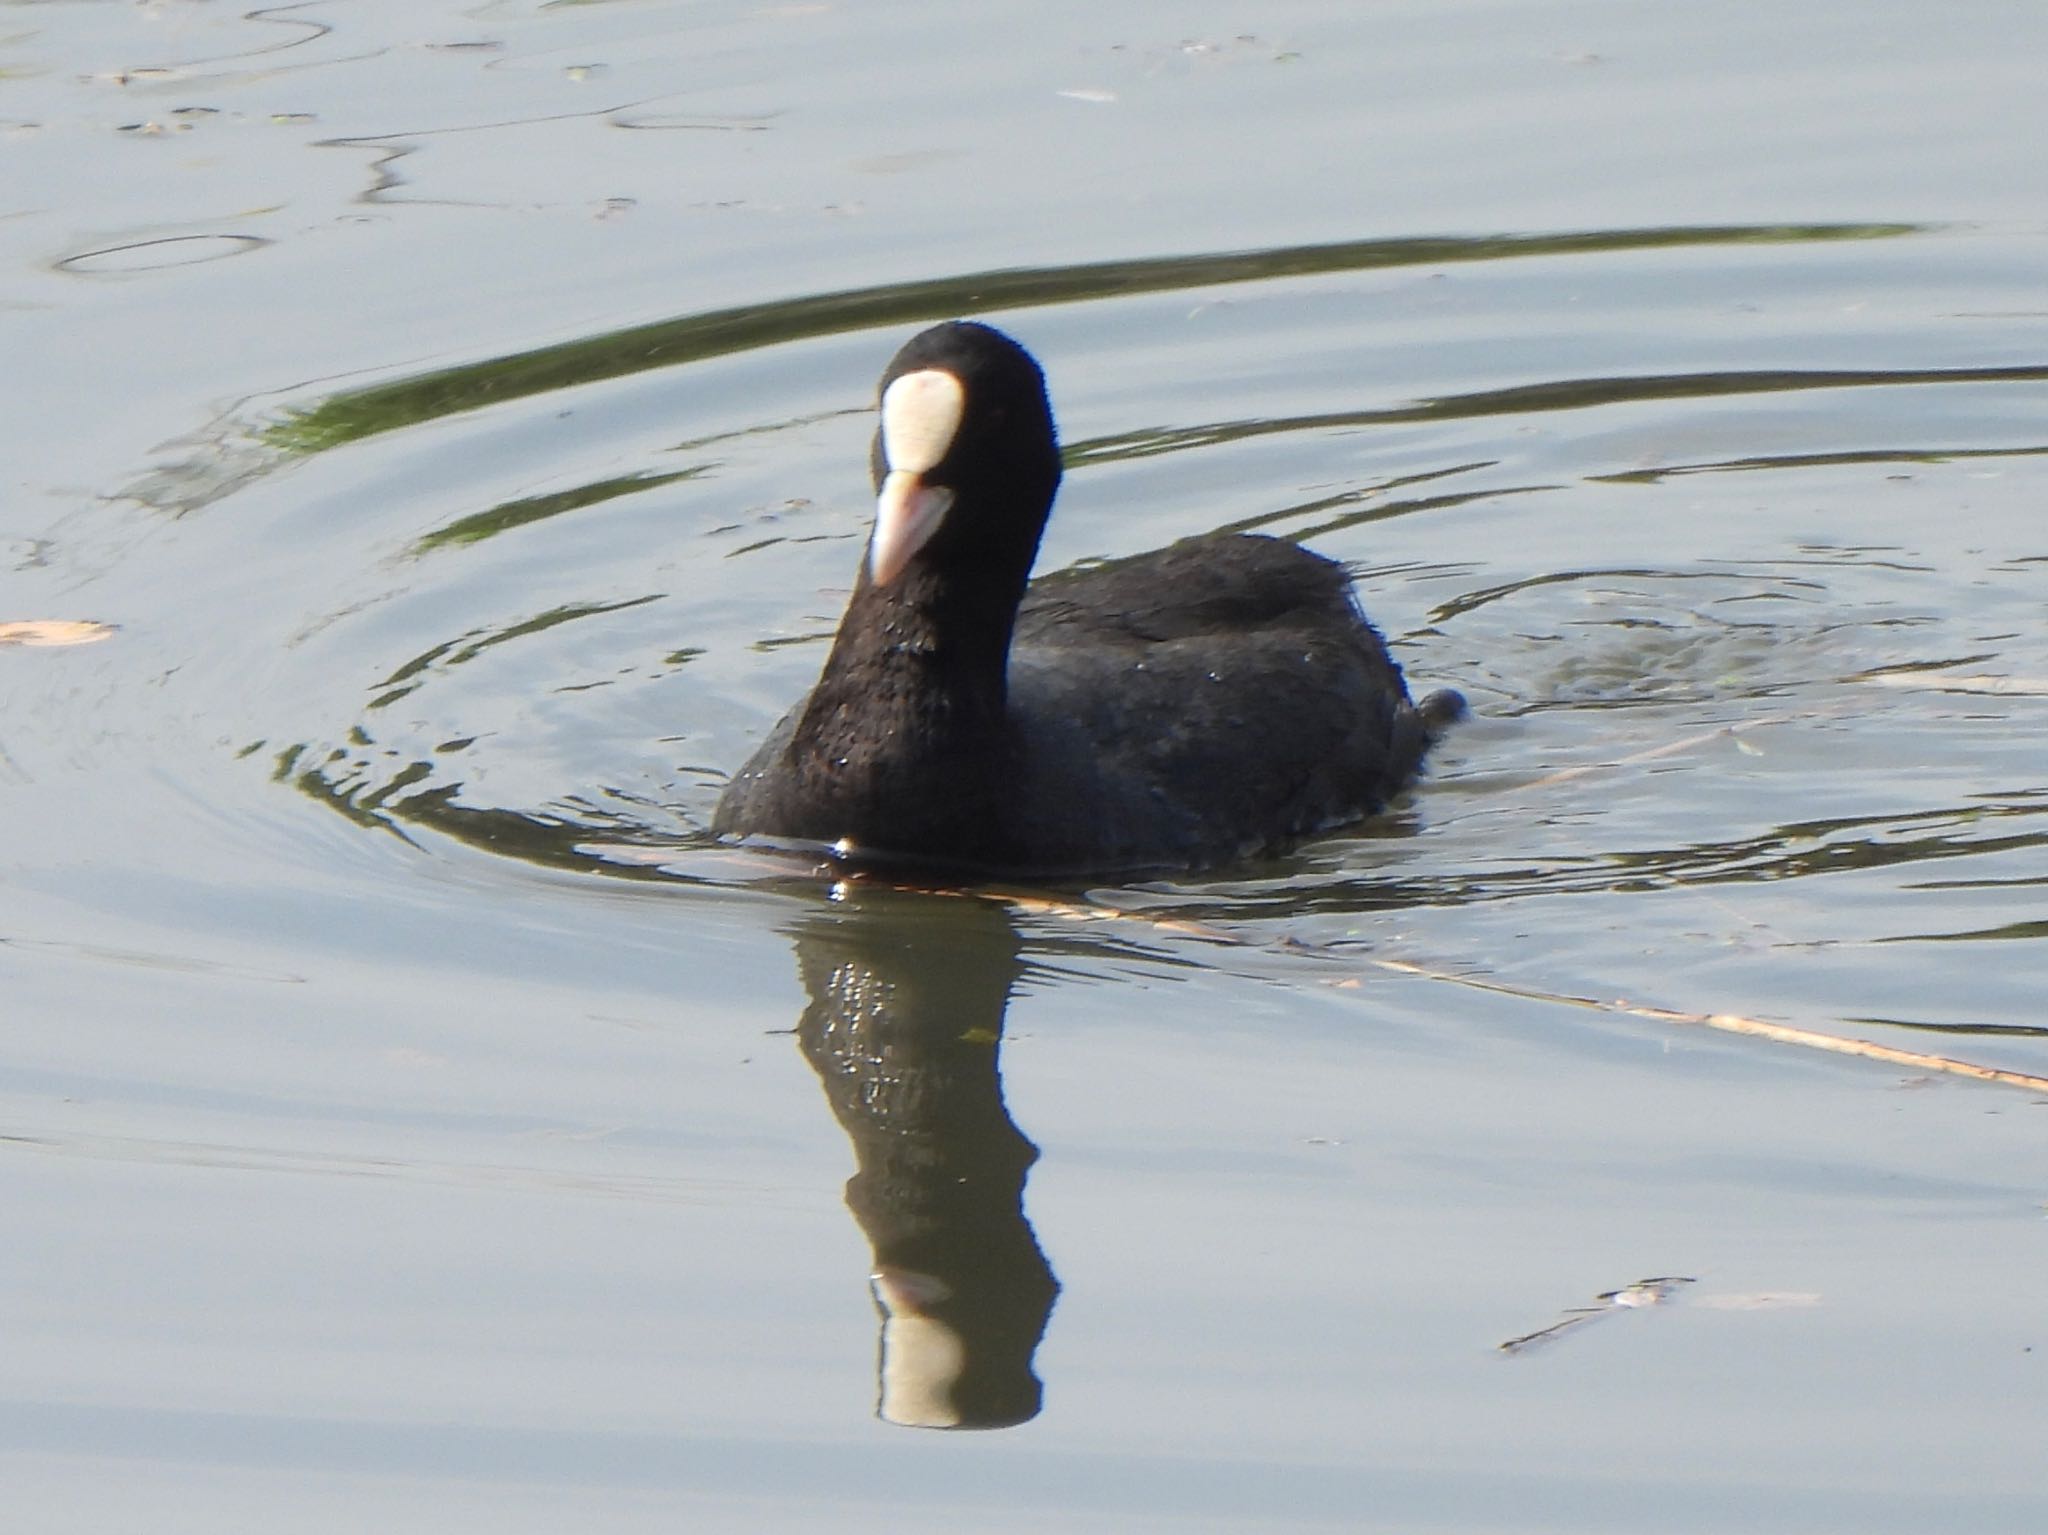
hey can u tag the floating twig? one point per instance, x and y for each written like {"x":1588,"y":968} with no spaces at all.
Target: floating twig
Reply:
{"x":1735,"y":1023}
{"x":1634,"y":1297}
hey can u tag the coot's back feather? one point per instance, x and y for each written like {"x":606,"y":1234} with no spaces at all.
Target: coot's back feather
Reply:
{"x":1220,"y":697}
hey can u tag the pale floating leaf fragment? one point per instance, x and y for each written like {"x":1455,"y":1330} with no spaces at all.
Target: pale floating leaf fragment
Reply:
{"x":1763,"y":1300}
{"x":54,"y":631}
{"x":1084,"y":93}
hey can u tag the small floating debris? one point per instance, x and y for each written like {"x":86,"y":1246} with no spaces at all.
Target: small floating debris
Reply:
{"x":1085,"y":93}
{"x":1635,"y":1297}
{"x":129,"y":76}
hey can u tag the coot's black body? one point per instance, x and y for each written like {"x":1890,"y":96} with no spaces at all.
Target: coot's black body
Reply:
{"x":1217,"y":698}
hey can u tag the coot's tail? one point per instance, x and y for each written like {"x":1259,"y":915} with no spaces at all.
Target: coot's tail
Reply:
{"x":1441,"y":710}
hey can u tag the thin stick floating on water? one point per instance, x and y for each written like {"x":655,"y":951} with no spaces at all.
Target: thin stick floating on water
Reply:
{"x":1726,"y":1023}
{"x":1736,"y":1023}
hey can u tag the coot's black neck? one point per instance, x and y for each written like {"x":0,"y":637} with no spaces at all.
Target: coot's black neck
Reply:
{"x":922,"y":643}
{"x":908,"y":726}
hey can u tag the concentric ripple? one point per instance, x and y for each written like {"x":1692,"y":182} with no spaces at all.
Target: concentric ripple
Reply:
{"x":1709,"y":590}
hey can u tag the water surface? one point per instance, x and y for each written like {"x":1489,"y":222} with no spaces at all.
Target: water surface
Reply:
{"x":462,"y":414}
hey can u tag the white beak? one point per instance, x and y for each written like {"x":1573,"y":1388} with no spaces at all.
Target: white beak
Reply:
{"x":907,"y":514}
{"x":920,"y":417}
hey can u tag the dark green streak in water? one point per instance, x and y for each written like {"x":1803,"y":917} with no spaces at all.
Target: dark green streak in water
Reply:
{"x":507,"y":515}
{"x":692,"y":338}
{"x":1994,"y":1030}
{"x":1571,"y":394}
{"x":1814,"y":461}
{"x":1975,"y":935}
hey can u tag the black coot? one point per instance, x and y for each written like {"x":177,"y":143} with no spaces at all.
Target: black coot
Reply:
{"x":1220,"y":697}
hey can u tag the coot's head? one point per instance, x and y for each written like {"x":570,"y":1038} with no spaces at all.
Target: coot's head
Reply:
{"x":965,"y":463}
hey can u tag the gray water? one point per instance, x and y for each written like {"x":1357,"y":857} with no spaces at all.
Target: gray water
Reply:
{"x":410,"y":1120}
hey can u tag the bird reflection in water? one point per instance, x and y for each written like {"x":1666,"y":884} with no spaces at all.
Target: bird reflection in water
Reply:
{"x":904,"y":1026}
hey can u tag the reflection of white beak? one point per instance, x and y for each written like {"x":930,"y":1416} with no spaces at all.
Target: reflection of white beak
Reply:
{"x":922,"y":1357}
{"x":906,"y":515}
